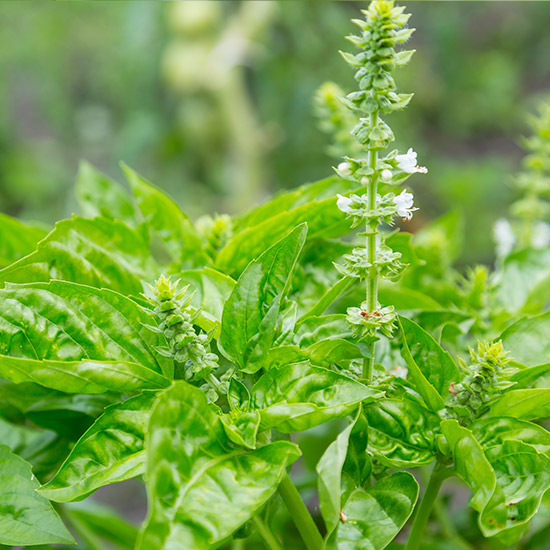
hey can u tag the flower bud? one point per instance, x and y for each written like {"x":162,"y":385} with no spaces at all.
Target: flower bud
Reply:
{"x":344,"y":168}
{"x":386,"y":175}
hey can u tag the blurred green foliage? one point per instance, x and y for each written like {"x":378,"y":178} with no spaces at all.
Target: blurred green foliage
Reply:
{"x":214,"y":100}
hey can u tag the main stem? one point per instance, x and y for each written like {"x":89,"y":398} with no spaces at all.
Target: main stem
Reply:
{"x":372,"y":281}
{"x":423,"y":514}
{"x":300,"y":515}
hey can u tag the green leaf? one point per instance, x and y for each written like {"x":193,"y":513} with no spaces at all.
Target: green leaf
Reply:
{"x":528,"y":404}
{"x":431,"y":368}
{"x":523,"y":279}
{"x":85,"y":376}
{"x":18,"y":239}
{"x":322,"y":217}
{"x":328,"y":298}
{"x":405,"y":299}
{"x":472,"y":466}
{"x":201,"y":489}
{"x":26,"y":518}
{"x":495,"y":431}
{"x":288,"y":200}
{"x":298,"y":397}
{"x":109,"y":452}
{"x":523,"y":476}
{"x":532,"y":377}
{"x":99,"y":195}
{"x":250,"y":314}
{"x":375,"y":516}
{"x":101,"y":253}
{"x":314,"y":329}
{"x":527,"y":340}
{"x":212,"y":289}
{"x":67,"y":321}
{"x":167,"y":222}
{"x":401,"y":432}
{"x":329,"y":470}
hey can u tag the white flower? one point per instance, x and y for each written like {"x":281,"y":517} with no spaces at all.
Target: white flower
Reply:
{"x":504,"y":237}
{"x":344,"y":168}
{"x":344,"y":203}
{"x":386,"y":175}
{"x":541,"y":235}
{"x":365,"y":180}
{"x":404,"y":204}
{"x":408,"y":163}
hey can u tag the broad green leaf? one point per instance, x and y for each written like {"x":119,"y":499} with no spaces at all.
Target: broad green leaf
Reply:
{"x":374,"y":516}
{"x":431,"y":368}
{"x":527,"y":404}
{"x":17,"y":437}
{"x":242,"y":427}
{"x":405,"y":299}
{"x":67,"y":414}
{"x":401,"y":432}
{"x":523,"y":476}
{"x":328,"y":298}
{"x":99,"y":195}
{"x":167,"y":222}
{"x":86,"y":376}
{"x":212,"y":289}
{"x":322,"y":217}
{"x":67,"y":321}
{"x":17,"y":239}
{"x":298,"y":397}
{"x":288,"y":200}
{"x":314,"y":329}
{"x":201,"y":489}
{"x":250,"y":314}
{"x":495,"y":431}
{"x":109,"y":452}
{"x":329,"y":471}
{"x":532,"y":377}
{"x":26,"y":518}
{"x":476,"y":471}
{"x":527,"y":340}
{"x":101,"y":253}
{"x":523,"y":279}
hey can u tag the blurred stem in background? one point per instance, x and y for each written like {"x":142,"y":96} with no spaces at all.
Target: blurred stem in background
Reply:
{"x":209,"y":55}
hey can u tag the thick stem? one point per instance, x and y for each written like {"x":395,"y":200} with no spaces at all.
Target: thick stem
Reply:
{"x":372,"y":281}
{"x":268,"y":537}
{"x":439,"y":474}
{"x":300,"y":515}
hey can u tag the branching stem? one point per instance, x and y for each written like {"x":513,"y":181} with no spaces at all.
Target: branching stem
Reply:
{"x":268,"y":537}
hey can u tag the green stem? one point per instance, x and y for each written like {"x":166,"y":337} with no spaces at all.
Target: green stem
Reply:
{"x":439,"y":474}
{"x":447,"y":526}
{"x":268,"y":537}
{"x":238,"y":544}
{"x":300,"y":515}
{"x":83,"y":531}
{"x":372,"y":281}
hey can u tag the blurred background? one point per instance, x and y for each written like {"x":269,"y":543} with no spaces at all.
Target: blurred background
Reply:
{"x":213,"y":101}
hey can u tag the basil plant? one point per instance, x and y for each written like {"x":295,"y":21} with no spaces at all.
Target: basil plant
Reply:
{"x":303,"y":375}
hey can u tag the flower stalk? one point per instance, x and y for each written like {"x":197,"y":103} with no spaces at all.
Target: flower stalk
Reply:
{"x":382,"y":30}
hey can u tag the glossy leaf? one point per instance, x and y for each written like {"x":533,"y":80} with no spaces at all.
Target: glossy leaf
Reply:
{"x":328,"y":298}
{"x":167,"y":221}
{"x":401,"y":432}
{"x":17,"y":238}
{"x":329,"y":470}
{"x":109,"y":452}
{"x":84,"y":376}
{"x":101,"y":253}
{"x":298,"y":397}
{"x":374,"y":517}
{"x":200,"y":488}
{"x":495,"y":431}
{"x":532,"y":377}
{"x":431,"y":368}
{"x":99,"y":195}
{"x":322,"y":217}
{"x":250,"y":314}
{"x":527,"y":404}
{"x":26,"y":518}
{"x":314,"y":329}
{"x":67,"y":321}
{"x":527,"y":340}
{"x":288,"y":200}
